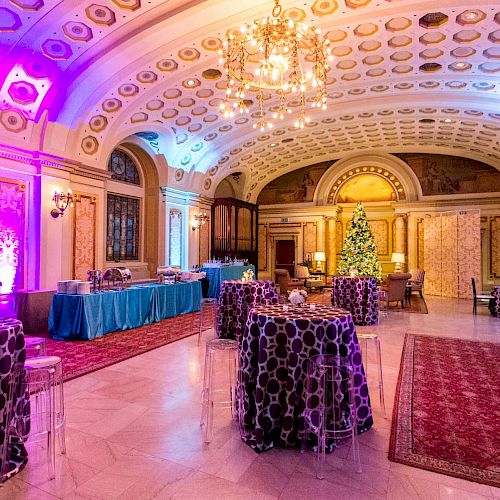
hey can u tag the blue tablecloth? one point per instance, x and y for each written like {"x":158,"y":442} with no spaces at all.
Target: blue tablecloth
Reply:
{"x":83,"y":317}
{"x":216,"y":275}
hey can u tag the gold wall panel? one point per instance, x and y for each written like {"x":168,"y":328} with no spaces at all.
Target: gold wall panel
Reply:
{"x":262,"y":251}
{"x":432,"y":255}
{"x":469,"y":254}
{"x":84,"y":235}
{"x":495,"y":247}
{"x":380,"y":232}
{"x":449,"y":252}
{"x":310,"y":238}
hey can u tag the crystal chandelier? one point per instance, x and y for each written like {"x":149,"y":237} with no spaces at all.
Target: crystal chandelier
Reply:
{"x":275,"y":55}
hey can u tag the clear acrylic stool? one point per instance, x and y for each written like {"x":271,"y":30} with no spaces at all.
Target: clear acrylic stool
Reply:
{"x":383,"y":305}
{"x":363,"y":338}
{"x":207,"y":307}
{"x":213,"y":396}
{"x":331,"y":411}
{"x":327,"y":295}
{"x":44,"y":382}
{"x":35,"y":346}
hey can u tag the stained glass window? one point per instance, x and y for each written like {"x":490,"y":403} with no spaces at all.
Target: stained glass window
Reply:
{"x":123,"y":168}
{"x":175,"y":237}
{"x":122,"y":242}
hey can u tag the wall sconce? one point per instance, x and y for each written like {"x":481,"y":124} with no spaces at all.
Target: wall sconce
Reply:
{"x":62,"y":201}
{"x":199,"y":220}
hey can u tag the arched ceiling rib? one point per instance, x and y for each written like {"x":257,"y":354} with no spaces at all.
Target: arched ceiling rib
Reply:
{"x":406,"y":75}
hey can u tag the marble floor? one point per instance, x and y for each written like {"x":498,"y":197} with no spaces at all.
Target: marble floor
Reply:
{"x":133,"y":433}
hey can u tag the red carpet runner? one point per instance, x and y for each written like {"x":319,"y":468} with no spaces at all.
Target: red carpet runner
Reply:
{"x":82,"y":357}
{"x":447,"y":409}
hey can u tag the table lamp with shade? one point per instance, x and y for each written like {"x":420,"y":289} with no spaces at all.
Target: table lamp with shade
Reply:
{"x":398,"y":259}
{"x":319,"y":257}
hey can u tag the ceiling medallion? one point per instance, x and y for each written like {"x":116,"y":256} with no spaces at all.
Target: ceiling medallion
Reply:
{"x":280,"y":56}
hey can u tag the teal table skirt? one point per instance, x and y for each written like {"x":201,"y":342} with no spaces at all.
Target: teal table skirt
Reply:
{"x":216,"y":275}
{"x":84,"y":317}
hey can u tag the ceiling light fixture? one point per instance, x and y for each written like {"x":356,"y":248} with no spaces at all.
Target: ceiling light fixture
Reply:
{"x":280,"y":56}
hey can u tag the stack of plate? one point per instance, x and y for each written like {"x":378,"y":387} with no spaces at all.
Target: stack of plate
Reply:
{"x":71,"y":286}
{"x":83,"y":288}
{"x":62,"y":286}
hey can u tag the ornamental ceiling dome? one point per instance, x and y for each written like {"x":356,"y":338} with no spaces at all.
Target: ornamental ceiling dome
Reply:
{"x":403,"y":79}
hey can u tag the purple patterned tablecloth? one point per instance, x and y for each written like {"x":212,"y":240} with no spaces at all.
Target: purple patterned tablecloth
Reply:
{"x":494,"y":304}
{"x":12,"y":353}
{"x":274,"y":352}
{"x":236,"y":299}
{"x":358,"y":295}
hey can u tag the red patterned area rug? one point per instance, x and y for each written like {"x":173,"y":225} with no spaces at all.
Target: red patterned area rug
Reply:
{"x":83,"y":357}
{"x":447,"y":408}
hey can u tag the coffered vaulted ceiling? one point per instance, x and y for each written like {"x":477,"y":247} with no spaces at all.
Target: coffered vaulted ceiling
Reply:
{"x":407,"y":76}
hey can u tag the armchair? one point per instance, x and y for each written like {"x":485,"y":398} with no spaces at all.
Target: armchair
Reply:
{"x":282,"y":278}
{"x":395,"y":286}
{"x":302,"y":272}
{"x":417,"y":281}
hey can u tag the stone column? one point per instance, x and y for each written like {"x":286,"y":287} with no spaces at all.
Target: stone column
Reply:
{"x":330,"y":224}
{"x":400,"y":242}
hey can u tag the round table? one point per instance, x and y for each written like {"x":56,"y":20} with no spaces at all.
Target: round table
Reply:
{"x":494,"y":305}
{"x":236,"y":299}
{"x":358,"y":295}
{"x":12,"y":352}
{"x":274,"y":352}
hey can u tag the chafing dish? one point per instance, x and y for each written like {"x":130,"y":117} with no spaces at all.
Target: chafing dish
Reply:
{"x":117,"y":276}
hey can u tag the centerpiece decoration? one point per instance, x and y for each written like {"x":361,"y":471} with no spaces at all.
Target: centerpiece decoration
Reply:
{"x":275,"y":56}
{"x":247,"y":276}
{"x":359,"y":253}
{"x":297,"y":297}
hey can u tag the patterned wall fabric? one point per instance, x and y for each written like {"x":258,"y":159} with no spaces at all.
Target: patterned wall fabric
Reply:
{"x":469,"y":255}
{"x":452,"y":254}
{"x":449,"y":251}
{"x":262,"y":247}
{"x":432,"y":255}
{"x":380,"y":232}
{"x":205,"y":242}
{"x":12,"y":220}
{"x":175,"y":237}
{"x":495,"y":246}
{"x":420,"y":244}
{"x":310,"y":238}
{"x":84,"y":244}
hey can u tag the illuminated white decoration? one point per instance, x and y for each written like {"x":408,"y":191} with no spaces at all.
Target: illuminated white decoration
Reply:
{"x":9,"y":252}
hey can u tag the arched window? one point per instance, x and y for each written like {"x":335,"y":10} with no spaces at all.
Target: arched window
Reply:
{"x":124,"y":200}
{"x":123,"y":168}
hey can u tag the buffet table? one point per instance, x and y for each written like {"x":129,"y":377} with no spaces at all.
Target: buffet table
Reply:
{"x":13,"y":352}
{"x":273,"y":354}
{"x":83,"y":317}
{"x":236,"y":299}
{"x":216,"y":275}
{"x":358,"y":295}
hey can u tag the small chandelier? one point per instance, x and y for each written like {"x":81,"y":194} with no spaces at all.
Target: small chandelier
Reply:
{"x":62,"y":201}
{"x":279,"y":55}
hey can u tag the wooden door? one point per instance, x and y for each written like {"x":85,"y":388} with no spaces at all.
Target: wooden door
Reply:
{"x":285,"y":255}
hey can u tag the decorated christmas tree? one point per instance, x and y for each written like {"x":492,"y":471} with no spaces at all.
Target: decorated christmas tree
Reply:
{"x":359,"y":254}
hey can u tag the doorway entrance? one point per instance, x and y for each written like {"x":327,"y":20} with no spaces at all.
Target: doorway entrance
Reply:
{"x":285,"y":256}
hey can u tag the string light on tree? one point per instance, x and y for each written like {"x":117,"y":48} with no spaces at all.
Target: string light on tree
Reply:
{"x":278,"y":56}
{"x":359,"y":253}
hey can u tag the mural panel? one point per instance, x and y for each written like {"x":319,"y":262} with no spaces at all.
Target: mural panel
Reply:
{"x":12,"y":216}
{"x":294,"y":187}
{"x":442,"y":174}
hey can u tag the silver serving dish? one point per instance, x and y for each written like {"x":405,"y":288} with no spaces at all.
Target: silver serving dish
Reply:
{"x":117,"y":276}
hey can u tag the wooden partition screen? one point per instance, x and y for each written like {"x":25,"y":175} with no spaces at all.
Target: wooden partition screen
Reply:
{"x":234,"y":229}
